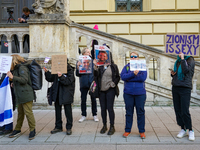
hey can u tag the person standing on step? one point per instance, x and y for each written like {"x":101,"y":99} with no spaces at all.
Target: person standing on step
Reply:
{"x":108,"y":79}
{"x":181,"y":91}
{"x":85,"y":81}
{"x":134,"y":96}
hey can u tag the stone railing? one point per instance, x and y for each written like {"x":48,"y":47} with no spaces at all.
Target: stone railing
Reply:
{"x":9,"y":30}
{"x":158,"y":92}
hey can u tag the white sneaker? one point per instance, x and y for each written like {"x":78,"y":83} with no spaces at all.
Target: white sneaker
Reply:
{"x":191,"y":135}
{"x":82,"y":119}
{"x":96,"y":119}
{"x":182,"y":133}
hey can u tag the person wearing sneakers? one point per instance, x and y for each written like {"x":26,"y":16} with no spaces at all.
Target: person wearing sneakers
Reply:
{"x":134,"y":96}
{"x":62,"y":94}
{"x":24,"y":94}
{"x":85,"y":81}
{"x":108,"y":79}
{"x":181,"y":91}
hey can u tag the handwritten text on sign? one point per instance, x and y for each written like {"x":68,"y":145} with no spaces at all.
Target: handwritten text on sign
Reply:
{"x":186,"y":43}
{"x":59,"y":64}
{"x":5,"y":64}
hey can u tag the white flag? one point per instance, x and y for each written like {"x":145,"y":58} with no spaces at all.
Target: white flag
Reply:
{"x":6,"y":106}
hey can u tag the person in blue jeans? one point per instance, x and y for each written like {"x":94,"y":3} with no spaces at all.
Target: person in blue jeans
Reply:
{"x":8,"y":128}
{"x":85,"y":81}
{"x":134,"y":96}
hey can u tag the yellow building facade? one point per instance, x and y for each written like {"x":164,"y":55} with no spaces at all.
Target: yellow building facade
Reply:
{"x":147,"y":26}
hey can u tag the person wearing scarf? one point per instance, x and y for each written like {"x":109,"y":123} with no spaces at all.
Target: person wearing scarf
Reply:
{"x":181,"y":92}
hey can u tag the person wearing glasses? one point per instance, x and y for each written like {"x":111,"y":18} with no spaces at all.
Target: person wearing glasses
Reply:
{"x":134,"y":96}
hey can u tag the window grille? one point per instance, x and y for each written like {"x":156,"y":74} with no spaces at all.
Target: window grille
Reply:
{"x":128,"y":5}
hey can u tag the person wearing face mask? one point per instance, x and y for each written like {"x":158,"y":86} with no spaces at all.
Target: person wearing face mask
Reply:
{"x":134,"y":96}
{"x":85,"y":81}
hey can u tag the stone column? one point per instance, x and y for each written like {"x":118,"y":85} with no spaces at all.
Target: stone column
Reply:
{"x":49,"y":30}
{"x":9,"y":45}
{"x":194,"y":89}
{"x":21,"y":46}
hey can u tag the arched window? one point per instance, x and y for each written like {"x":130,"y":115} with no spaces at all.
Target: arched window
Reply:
{"x":26,"y":44}
{"x":3,"y":44}
{"x":153,"y":69}
{"x":15,"y":44}
{"x":128,"y":5}
{"x":82,"y":43}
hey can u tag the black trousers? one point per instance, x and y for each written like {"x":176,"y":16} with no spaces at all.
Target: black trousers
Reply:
{"x":106,"y":99}
{"x":84,"y":92}
{"x":58,"y":114}
{"x":181,"y":100}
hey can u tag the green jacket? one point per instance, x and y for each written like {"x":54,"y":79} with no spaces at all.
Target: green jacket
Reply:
{"x":22,"y":83}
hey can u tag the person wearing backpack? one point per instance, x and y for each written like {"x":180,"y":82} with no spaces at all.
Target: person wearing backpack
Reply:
{"x":62,"y":93}
{"x":24,"y":94}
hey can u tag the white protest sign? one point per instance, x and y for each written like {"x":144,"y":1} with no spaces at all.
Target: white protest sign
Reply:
{"x":5,"y":63}
{"x":46,"y":60}
{"x":188,"y":44}
{"x":138,"y":65}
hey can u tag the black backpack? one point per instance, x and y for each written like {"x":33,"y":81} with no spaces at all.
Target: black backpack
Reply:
{"x":36,"y":75}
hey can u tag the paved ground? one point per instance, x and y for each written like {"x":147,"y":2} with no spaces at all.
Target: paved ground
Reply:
{"x":161,"y":131}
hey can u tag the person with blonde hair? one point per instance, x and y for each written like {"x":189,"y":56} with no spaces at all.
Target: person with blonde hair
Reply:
{"x":24,"y":94}
{"x":85,"y":81}
{"x":134,"y":96}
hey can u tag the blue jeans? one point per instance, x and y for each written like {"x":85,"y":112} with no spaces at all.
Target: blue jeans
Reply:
{"x":137,"y":101}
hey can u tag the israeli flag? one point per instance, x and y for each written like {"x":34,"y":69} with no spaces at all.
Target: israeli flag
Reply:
{"x":6,"y":112}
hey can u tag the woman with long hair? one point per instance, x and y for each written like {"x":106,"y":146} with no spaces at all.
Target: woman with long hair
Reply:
{"x":24,"y":94}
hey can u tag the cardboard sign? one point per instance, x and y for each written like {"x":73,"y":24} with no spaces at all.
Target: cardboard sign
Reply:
{"x":59,"y":64}
{"x":138,"y":65}
{"x":5,"y":63}
{"x":102,"y":55}
{"x":188,"y":44}
{"x":86,"y":64}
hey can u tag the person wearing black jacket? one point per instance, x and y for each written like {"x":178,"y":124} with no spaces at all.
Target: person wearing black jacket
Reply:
{"x":62,"y":93}
{"x":108,"y":78}
{"x":181,"y":92}
{"x":25,"y":15}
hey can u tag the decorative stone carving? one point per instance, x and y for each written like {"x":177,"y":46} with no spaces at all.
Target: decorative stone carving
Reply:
{"x":48,"y":6}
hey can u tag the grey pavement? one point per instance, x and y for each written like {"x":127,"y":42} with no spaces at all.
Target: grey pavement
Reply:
{"x":161,"y":131}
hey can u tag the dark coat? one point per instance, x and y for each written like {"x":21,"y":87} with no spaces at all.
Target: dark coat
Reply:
{"x":85,"y":80}
{"x":115,"y":76}
{"x":187,"y":67}
{"x":63,"y":87}
{"x":27,"y":17}
{"x":22,"y":83}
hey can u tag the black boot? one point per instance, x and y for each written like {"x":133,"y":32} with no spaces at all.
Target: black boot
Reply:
{"x":104,"y":129}
{"x":111,"y":130}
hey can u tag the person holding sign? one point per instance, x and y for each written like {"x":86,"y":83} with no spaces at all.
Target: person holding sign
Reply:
{"x":24,"y":94}
{"x":108,"y":78}
{"x":181,"y":91}
{"x":134,"y":96}
{"x":62,"y":93}
{"x":85,"y":80}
